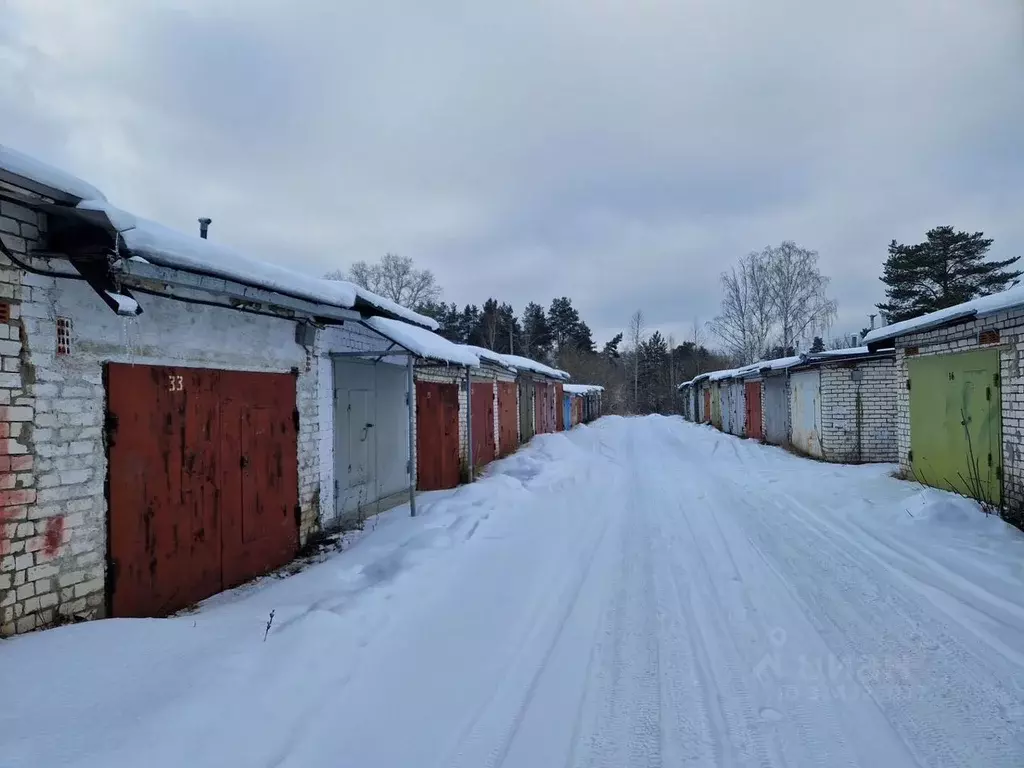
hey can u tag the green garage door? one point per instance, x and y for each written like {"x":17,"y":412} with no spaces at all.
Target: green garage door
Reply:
{"x":955,"y":424}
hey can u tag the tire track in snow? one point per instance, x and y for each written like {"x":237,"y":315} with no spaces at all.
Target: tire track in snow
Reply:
{"x":624,"y":726}
{"x":917,"y":673}
{"x":504,"y":710}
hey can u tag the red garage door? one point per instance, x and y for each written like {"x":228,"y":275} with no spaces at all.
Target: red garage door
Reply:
{"x":508,"y":418}
{"x":753,"y":399}
{"x":437,"y":435}
{"x":203,"y":482}
{"x":484,"y":448}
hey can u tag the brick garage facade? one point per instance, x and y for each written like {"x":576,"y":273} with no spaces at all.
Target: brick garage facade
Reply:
{"x":56,"y":335}
{"x":858,"y":411}
{"x":966,"y":337}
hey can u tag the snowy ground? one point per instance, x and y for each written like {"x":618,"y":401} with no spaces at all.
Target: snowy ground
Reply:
{"x":641,"y":592}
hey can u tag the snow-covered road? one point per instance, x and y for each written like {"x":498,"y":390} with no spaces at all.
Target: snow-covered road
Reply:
{"x":641,"y":592}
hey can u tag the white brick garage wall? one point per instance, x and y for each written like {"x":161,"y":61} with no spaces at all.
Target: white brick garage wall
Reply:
{"x":858,"y":411}
{"x":963,"y":338}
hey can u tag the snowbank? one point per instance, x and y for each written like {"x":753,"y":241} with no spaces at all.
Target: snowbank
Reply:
{"x":980,"y":307}
{"x":422,"y":342}
{"x":27,"y":167}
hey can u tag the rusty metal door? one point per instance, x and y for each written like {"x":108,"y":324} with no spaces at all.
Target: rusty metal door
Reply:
{"x":484,"y":448}
{"x":753,"y":405}
{"x":259,"y":450}
{"x":437,"y":435}
{"x":203,"y":482}
{"x":508,"y":438}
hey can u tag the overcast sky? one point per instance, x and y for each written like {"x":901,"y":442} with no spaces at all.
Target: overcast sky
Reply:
{"x":620,"y":152}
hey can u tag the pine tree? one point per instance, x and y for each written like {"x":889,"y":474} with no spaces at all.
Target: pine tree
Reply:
{"x":469,"y":326}
{"x":563,"y":320}
{"x":611,"y":348}
{"x":449,"y":319}
{"x":948,"y":268}
{"x":536,"y":338}
{"x":818,"y":345}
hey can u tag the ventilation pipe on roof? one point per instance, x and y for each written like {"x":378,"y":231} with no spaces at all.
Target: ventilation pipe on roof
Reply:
{"x":204,"y":226}
{"x":872,"y":318}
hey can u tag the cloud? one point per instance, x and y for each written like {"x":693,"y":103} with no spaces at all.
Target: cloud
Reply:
{"x":621,"y":153}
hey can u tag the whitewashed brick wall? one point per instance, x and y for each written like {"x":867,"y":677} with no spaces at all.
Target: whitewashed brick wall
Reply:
{"x":858,"y":415}
{"x":33,"y":543}
{"x":963,"y":338}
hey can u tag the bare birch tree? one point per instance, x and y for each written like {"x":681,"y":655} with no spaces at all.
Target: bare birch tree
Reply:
{"x":636,"y":339}
{"x":745,"y":321}
{"x":798,"y":293}
{"x":394,"y":277}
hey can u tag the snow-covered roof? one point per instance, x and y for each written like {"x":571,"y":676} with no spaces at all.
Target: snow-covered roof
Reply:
{"x":26,"y":167}
{"x":845,"y":352}
{"x":581,"y":389}
{"x":170,"y":248}
{"x":728,"y":373}
{"x":780,"y":363}
{"x":489,"y":356}
{"x":980,"y":307}
{"x":423,"y":343}
{"x":526,"y":364}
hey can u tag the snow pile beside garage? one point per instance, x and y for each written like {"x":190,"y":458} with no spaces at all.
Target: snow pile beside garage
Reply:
{"x":129,"y":688}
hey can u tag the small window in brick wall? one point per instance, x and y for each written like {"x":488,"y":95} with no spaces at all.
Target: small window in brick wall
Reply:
{"x":5,"y":312}
{"x":990,"y":336}
{"x":63,"y":336}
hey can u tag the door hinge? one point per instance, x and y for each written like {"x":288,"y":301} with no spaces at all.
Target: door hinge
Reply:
{"x":408,"y":467}
{"x":295,"y":419}
{"x":908,"y":383}
{"x":999,"y":473}
{"x":910,"y":455}
{"x":996,"y":380}
{"x":335,"y":490}
{"x":951,"y":377}
{"x":298,"y":516}
{"x":988,"y":393}
{"x":990,"y":459}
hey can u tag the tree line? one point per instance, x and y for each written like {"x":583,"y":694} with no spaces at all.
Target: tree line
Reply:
{"x":775,"y":302}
